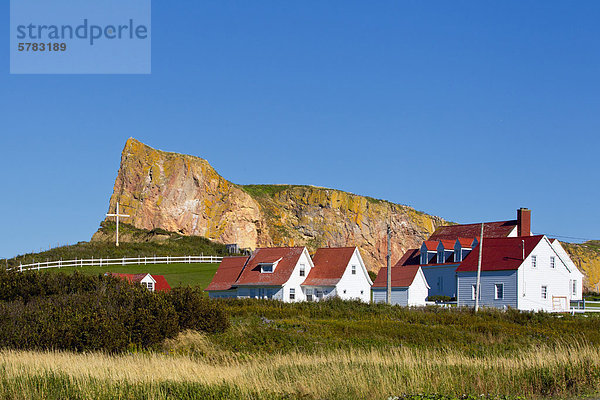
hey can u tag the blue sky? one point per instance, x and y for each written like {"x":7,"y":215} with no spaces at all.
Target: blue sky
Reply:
{"x":463,"y":109}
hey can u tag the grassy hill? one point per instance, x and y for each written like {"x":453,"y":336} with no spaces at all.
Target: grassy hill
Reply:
{"x":176,"y":274}
{"x":134,"y":242}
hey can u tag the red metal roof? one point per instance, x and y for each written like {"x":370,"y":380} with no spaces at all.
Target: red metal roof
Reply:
{"x":329,"y":266}
{"x":490,"y":230}
{"x":227,"y":273}
{"x":251,"y":274}
{"x":448,"y":243}
{"x":411,"y":257}
{"x":161,"y":284}
{"x":500,"y":254}
{"x":431,"y":245}
{"x":401,"y":276}
{"x":466,"y":242}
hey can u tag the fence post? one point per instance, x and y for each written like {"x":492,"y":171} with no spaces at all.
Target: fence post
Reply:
{"x":20,"y":267}
{"x":123,"y":262}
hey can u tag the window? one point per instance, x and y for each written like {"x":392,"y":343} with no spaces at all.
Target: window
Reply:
{"x":499,"y":291}
{"x":544,"y":292}
{"x":344,"y":291}
{"x":552,"y":263}
{"x":302,"y":270}
{"x":266,"y":268}
{"x":474,"y":290}
{"x":362,"y":292}
{"x":309,"y":295}
{"x":292,"y":294}
{"x":148,"y":285}
{"x":319,"y":293}
{"x":574,"y":288}
{"x":354,"y":270}
{"x":533,"y":262}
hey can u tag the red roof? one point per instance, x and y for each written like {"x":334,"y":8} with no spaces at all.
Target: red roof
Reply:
{"x":431,"y":245}
{"x":329,"y":266}
{"x":466,"y":242}
{"x":401,"y":276}
{"x":447,"y":243}
{"x":411,"y":257}
{"x":500,"y":254}
{"x":490,"y":230}
{"x":227,"y":273}
{"x":251,"y":274}
{"x":161,"y":284}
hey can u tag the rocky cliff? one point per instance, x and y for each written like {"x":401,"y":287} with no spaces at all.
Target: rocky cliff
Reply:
{"x":184,"y":194}
{"x":587,"y":258}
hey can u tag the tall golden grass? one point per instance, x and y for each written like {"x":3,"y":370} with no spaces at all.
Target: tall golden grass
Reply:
{"x":563,"y":370}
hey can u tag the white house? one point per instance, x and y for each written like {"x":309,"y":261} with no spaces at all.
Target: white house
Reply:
{"x":289,"y":274}
{"x":154,"y":283}
{"x":409,"y":286}
{"x":526,"y":273}
{"x":269,"y":273}
{"x":338,"y":271}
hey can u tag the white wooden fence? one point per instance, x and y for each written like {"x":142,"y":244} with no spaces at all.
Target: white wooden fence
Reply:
{"x":101,"y":262}
{"x":585,"y":306}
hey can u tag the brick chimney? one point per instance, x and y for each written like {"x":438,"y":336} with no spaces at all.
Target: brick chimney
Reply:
{"x":523,"y":222}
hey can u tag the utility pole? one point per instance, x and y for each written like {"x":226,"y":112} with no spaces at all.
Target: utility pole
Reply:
{"x":478,"y":285}
{"x":389,"y":265}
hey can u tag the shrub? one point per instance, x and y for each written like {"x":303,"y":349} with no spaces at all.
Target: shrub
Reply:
{"x":197,"y":312}
{"x":77,"y":312}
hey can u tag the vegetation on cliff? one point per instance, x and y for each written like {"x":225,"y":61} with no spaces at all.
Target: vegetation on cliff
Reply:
{"x":587,"y":258}
{"x":133,"y":242}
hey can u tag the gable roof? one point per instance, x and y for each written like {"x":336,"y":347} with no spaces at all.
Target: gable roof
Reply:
{"x":329,"y":266}
{"x":411,"y":257}
{"x":160,"y":283}
{"x":500,"y":254}
{"x":490,"y":230}
{"x":431,"y":245}
{"x":251,"y":274}
{"x":401,"y":276}
{"x":447,"y":243}
{"x":466,"y":242}
{"x":228,"y":272}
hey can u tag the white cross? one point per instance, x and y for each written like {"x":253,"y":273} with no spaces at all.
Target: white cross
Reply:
{"x":117,"y":215}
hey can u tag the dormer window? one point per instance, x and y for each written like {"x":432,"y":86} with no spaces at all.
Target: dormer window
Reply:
{"x":423,"y":257}
{"x":440,"y":257}
{"x":267,"y":268}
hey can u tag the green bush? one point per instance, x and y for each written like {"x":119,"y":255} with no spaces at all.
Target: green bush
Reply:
{"x":83,"y":313}
{"x":197,"y":312}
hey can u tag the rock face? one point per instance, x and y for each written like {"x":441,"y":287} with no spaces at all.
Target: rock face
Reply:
{"x":185,"y":194}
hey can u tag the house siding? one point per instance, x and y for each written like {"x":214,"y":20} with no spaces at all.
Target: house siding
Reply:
{"x":441,"y":279}
{"x":222,"y":294}
{"x":356,"y":286}
{"x":466,"y":280}
{"x":558,"y":280}
{"x":399,"y":296}
{"x":418,"y":292}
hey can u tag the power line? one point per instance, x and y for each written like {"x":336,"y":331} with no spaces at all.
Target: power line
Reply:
{"x":565,"y":237}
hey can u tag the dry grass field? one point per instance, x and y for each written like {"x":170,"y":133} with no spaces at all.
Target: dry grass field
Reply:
{"x":191,"y":367}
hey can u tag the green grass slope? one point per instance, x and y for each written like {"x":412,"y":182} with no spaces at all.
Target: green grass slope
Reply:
{"x":176,"y":274}
{"x":134,"y":242}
